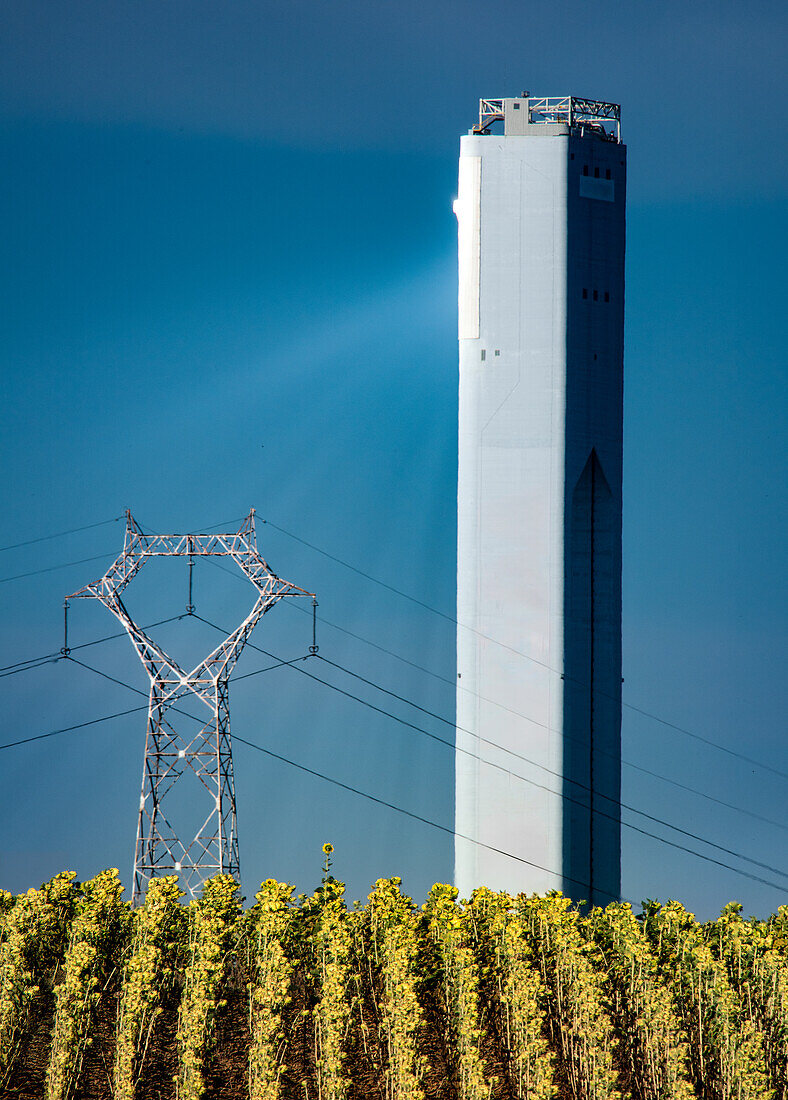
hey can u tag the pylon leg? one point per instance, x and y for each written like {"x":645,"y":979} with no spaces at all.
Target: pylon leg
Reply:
{"x":162,"y":849}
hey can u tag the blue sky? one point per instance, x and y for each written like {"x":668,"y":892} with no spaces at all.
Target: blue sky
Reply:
{"x":230,"y":282}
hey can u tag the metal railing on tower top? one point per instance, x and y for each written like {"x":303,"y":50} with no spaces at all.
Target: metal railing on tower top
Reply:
{"x":572,"y":110}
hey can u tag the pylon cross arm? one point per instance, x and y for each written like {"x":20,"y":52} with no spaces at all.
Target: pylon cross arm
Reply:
{"x":241,"y":546}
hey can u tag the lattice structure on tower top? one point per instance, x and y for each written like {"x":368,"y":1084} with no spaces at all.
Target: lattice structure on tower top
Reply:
{"x":170,"y":753}
{"x":581,"y":115}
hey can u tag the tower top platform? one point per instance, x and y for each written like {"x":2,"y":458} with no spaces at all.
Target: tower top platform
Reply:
{"x":528,"y":115}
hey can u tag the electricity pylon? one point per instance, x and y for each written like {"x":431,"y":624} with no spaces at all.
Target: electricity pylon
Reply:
{"x":208,"y":752}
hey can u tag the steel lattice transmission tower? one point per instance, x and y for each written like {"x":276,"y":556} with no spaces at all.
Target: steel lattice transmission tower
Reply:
{"x":168,"y":752}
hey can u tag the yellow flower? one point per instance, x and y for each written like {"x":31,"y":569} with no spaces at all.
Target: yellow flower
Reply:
{"x":328,"y":849}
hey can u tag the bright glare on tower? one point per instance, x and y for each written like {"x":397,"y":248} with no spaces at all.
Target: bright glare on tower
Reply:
{"x":541,"y":220}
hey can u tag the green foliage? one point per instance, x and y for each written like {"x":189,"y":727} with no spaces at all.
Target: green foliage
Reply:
{"x":33,"y":937}
{"x":759,"y":973}
{"x":726,"y":1053}
{"x":642,"y":1006}
{"x":778,"y":930}
{"x":325,"y":933}
{"x":393,"y":925}
{"x":7,"y":902}
{"x":577,"y":1004}
{"x":451,"y":931}
{"x":511,"y":970}
{"x":270,"y":934}
{"x":97,"y":931}
{"x":156,"y":933}
{"x":211,"y":930}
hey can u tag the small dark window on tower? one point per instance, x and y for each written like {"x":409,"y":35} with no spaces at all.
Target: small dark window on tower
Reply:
{"x":594,"y":356}
{"x":571,"y":156}
{"x":596,"y":173}
{"x":585,"y":292}
{"x":596,"y":296}
{"x":516,"y":106}
{"x":497,"y":352}
{"x":607,"y":295}
{"x":484,"y":354}
{"x":585,"y":169}
{"x":607,"y":174}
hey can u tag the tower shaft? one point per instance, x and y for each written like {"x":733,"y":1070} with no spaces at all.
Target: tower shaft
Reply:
{"x":541,"y":296}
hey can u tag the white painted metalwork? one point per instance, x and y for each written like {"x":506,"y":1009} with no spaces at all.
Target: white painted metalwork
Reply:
{"x":574,"y":111}
{"x":208,"y":752}
{"x":490,"y":111}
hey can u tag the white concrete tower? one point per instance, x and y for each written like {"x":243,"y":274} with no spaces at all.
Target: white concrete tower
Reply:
{"x":541,"y":321}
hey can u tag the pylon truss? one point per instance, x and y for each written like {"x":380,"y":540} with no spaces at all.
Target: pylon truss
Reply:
{"x":207,"y":753}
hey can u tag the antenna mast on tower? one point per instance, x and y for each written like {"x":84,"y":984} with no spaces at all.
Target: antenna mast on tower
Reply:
{"x":208,"y":752}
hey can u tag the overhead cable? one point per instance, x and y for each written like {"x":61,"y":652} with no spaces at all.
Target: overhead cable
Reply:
{"x":35,"y":662}
{"x":60,"y":534}
{"x":53,"y":568}
{"x":540,"y":786}
{"x":557,"y":672}
{"x":533,"y":721}
{"x":293,"y":663}
{"x":558,"y":775}
{"x":76,"y":726}
{"x":53,"y":658}
{"x":79,"y":561}
{"x":409,"y":813}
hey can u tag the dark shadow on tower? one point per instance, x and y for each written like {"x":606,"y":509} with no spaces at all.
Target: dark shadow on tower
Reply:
{"x":592,"y":690}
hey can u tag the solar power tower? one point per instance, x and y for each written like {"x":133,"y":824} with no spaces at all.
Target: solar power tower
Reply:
{"x":540,"y":207}
{"x":176,"y":750}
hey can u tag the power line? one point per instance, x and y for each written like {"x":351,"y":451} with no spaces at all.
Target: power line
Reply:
{"x":31,"y":661}
{"x":486,"y":637}
{"x":636,"y":767}
{"x":409,"y":813}
{"x":37,"y":662}
{"x":70,"y":729}
{"x":442,"y":614}
{"x":540,"y":786}
{"x":53,"y":658}
{"x":558,"y":775}
{"x":112,"y":679}
{"x":293,"y":663}
{"x":509,"y":710}
{"x":279,"y":663}
{"x":80,"y":561}
{"x":178,"y":710}
{"x":52,"y":568}
{"x":376,"y":580}
{"x":627,"y":763}
{"x":122,"y":713}
{"x":59,"y":534}
{"x":300,"y":767}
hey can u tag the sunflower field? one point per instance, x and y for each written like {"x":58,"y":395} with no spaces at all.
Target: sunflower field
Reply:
{"x":306,"y":998}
